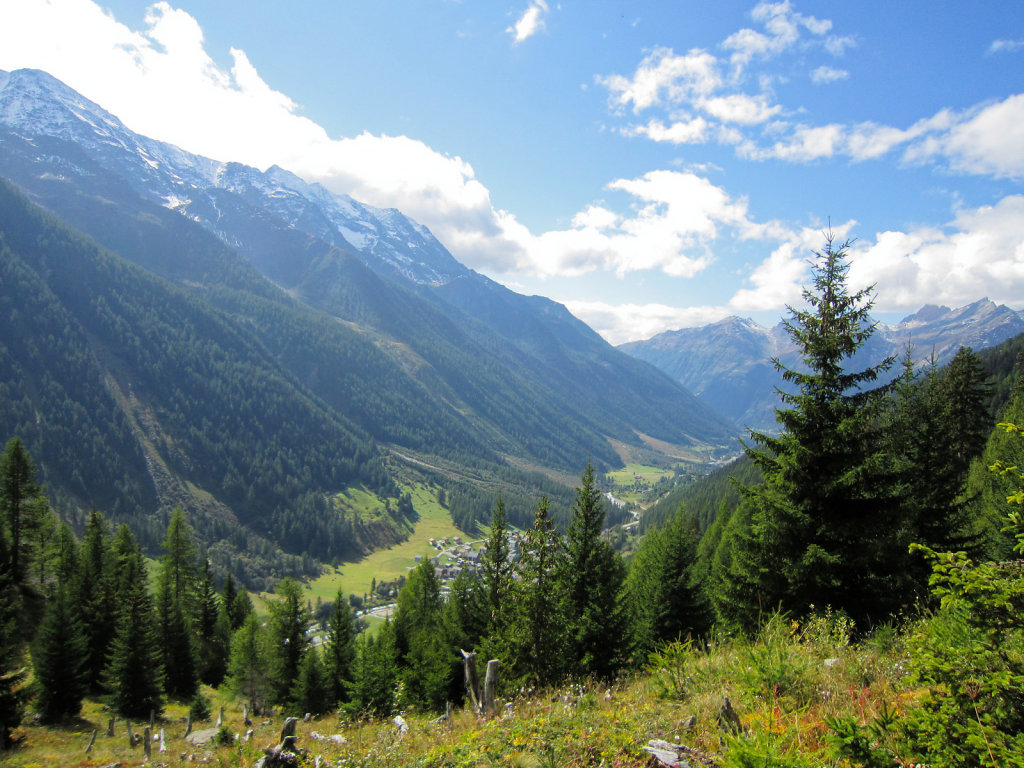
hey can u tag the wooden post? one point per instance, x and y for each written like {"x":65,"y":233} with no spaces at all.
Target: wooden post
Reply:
{"x":147,"y":743}
{"x":490,"y":688}
{"x":131,"y":736}
{"x":188,"y":724}
{"x":163,"y":741}
{"x":472,"y":678}
{"x":220,"y":718}
{"x":110,"y":727}
{"x":92,"y":740}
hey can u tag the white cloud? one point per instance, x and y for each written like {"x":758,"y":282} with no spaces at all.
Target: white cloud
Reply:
{"x":740,"y":108}
{"x":619,"y":323}
{"x":665,"y":77}
{"x":692,"y":131}
{"x":530,"y":23}
{"x":675,"y":218}
{"x":979,"y":253}
{"x":780,"y":279}
{"x":783,"y":28}
{"x":1006,"y":46}
{"x":826,"y":74}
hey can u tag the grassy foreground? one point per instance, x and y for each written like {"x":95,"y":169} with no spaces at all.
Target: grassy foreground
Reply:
{"x":785,"y":688}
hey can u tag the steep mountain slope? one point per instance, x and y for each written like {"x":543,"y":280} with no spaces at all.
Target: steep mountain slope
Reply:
{"x":728,"y":363}
{"x":532,"y":381}
{"x":135,"y":394}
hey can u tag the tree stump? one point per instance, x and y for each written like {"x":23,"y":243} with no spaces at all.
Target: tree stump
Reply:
{"x":472,"y":678}
{"x":490,"y":688}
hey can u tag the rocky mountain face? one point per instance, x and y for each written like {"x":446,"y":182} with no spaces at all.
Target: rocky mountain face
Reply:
{"x":357,"y":319}
{"x":729,"y":366}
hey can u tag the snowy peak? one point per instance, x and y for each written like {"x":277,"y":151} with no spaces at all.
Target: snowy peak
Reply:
{"x":37,"y":107}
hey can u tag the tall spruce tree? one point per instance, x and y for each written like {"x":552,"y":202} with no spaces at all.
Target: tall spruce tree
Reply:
{"x":287,"y":639}
{"x":819,"y":525}
{"x":58,"y":660}
{"x":134,"y":673}
{"x":590,"y":580}
{"x":376,"y":673}
{"x":177,"y":655}
{"x":496,"y":568}
{"x":339,"y":654}
{"x":94,"y":594}
{"x":537,"y":637}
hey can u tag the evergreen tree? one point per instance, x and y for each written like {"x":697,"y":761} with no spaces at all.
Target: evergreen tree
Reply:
{"x":988,"y":491}
{"x":590,"y":581}
{"x":213,"y":636}
{"x":66,"y":557}
{"x":466,"y":613}
{"x":94,"y":595}
{"x":247,"y":666}
{"x":181,"y":680}
{"x":287,"y":639}
{"x":58,"y":660}
{"x":537,"y":636}
{"x":311,"y":691}
{"x":820,"y":532}
{"x":660,"y":590}
{"x":376,"y":673}
{"x":12,"y":654}
{"x":18,"y":489}
{"x":179,"y":562}
{"x":340,"y":650}
{"x":496,"y":568}
{"x":425,"y":660}
{"x":134,"y":674}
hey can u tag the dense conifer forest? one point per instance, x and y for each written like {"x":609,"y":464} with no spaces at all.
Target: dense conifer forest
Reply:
{"x":875,"y":512}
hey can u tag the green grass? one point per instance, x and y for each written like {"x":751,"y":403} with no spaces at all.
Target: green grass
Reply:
{"x":386,"y":564}
{"x":628,"y":474}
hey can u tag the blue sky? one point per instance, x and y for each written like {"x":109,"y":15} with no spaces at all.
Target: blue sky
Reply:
{"x":652,"y":165}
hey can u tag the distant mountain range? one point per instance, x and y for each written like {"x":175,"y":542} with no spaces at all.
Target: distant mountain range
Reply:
{"x":728,"y":364}
{"x":247,"y":345}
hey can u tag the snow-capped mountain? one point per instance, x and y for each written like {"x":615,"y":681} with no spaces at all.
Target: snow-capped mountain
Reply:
{"x":33,"y":104}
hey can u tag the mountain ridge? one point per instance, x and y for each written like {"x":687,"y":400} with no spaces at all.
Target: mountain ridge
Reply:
{"x":728,"y":363}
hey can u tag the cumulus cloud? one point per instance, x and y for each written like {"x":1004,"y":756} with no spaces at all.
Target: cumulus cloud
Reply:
{"x":530,"y":23}
{"x":980,"y":252}
{"x":674,"y":219}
